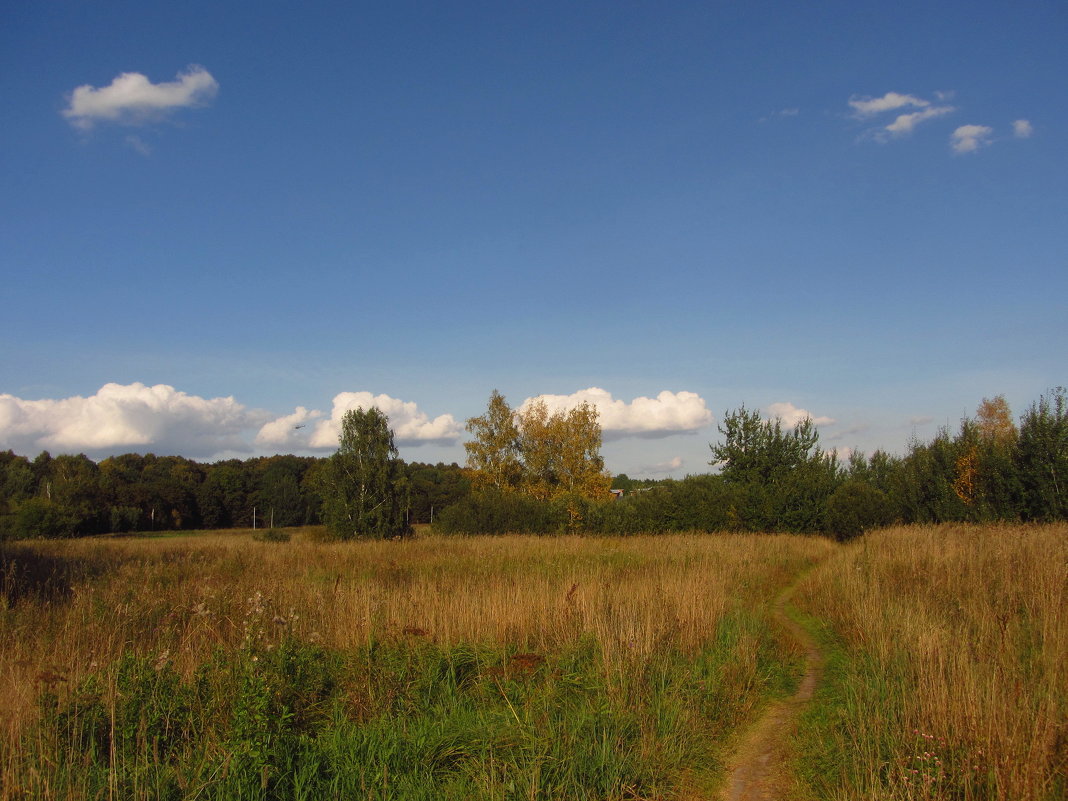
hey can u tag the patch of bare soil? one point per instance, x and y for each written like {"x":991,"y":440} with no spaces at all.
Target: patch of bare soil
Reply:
{"x":758,"y":771}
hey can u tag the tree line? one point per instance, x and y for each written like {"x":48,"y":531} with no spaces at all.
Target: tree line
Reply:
{"x":71,"y":495}
{"x":770,"y":477}
{"x":532,"y":470}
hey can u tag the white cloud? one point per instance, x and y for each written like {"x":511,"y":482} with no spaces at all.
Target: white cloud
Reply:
{"x":132,"y":99}
{"x":905,"y":123}
{"x":790,"y":415}
{"x":868,"y":106}
{"x":865,"y":107}
{"x":127,"y":417}
{"x":290,"y":431}
{"x":669,"y":466}
{"x":410,"y":425}
{"x":1022,"y":129}
{"x":666,"y":414}
{"x":969,"y":138}
{"x":920,"y":421}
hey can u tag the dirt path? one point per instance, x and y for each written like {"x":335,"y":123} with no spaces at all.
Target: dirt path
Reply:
{"x":758,"y":770}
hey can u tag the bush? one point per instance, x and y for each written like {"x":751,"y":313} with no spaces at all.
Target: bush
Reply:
{"x":856,"y":507}
{"x":495,"y":512}
{"x":271,"y":535}
{"x":40,"y":517}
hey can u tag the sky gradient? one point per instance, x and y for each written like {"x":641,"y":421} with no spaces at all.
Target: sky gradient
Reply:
{"x":221,"y":221}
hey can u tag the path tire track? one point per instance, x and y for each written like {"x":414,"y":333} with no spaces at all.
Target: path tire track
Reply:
{"x":758,"y":771}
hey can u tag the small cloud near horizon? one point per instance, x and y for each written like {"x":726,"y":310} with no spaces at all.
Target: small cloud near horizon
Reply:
{"x":667,"y":414}
{"x":669,"y":466}
{"x":410,"y":425}
{"x":127,"y":416}
{"x":791,"y":415}
{"x":1022,"y":129}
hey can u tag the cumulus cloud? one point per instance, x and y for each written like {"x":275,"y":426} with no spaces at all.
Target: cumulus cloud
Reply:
{"x":127,"y":417}
{"x":1022,"y":129}
{"x":790,"y":415}
{"x":410,"y":425}
{"x":869,"y":106}
{"x":969,"y":138}
{"x":132,"y":99}
{"x":666,"y":414}
{"x":289,"y":431}
{"x":905,"y":123}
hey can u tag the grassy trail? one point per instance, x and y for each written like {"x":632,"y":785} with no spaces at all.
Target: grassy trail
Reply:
{"x":759,"y":769}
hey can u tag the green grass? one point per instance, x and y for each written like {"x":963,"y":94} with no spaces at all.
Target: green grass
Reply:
{"x":396,"y":721}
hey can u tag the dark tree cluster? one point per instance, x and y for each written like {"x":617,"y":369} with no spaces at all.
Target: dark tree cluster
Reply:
{"x":69,"y":496}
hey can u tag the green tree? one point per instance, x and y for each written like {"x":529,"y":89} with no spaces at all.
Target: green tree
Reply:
{"x":855,"y":507}
{"x":923,"y":488}
{"x":224,"y":498}
{"x":360,"y":484}
{"x":782,"y":476}
{"x":17,"y":484}
{"x":1042,"y":458}
{"x":432,"y":488}
{"x":493,"y":454}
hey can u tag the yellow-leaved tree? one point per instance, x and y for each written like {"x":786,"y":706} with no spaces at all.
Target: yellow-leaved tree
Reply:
{"x":994,"y":418}
{"x":493,"y":454}
{"x":537,"y":452}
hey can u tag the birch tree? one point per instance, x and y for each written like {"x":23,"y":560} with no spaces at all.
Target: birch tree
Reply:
{"x":493,"y":454}
{"x":360,"y":483}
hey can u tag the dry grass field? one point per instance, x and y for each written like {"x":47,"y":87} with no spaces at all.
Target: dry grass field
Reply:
{"x":950,"y":665}
{"x":669,"y":640}
{"x":216,"y":666}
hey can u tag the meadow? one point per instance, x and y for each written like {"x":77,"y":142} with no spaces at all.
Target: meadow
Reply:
{"x":215,"y":666}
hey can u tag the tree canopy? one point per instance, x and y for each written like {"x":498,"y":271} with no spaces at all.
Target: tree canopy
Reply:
{"x":542,"y":454}
{"x":359,"y":490}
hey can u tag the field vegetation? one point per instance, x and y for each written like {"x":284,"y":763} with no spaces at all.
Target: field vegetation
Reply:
{"x":217,"y":666}
{"x":947,"y":665}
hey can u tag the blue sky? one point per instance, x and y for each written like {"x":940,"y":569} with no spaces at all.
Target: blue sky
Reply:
{"x":219,"y":221}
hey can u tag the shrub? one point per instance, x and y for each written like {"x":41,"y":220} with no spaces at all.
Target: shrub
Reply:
{"x":856,"y":507}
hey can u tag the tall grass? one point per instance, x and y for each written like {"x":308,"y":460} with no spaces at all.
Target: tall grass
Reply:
{"x":948,"y":676}
{"x":222,"y":667}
